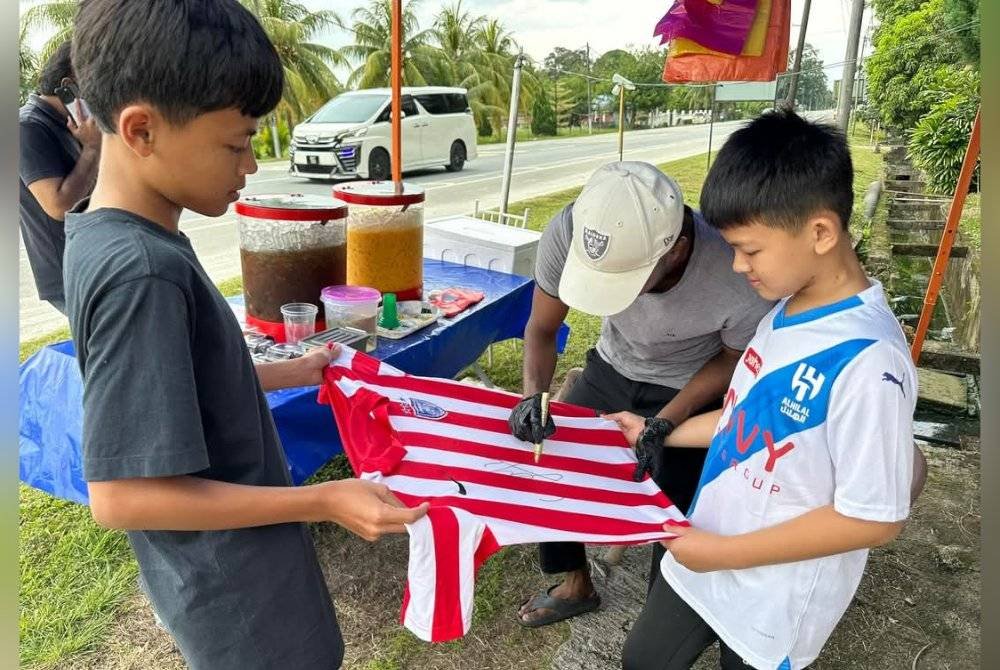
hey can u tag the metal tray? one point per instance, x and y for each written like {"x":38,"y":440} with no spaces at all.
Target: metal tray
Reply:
{"x":342,"y":335}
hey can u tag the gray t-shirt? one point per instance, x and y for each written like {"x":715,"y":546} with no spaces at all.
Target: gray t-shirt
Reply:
{"x":170,"y":389}
{"x":664,"y":338}
{"x":48,"y":150}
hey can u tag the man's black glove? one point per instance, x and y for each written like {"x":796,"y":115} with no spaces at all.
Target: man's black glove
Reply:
{"x":649,"y":444}
{"x":526,"y":420}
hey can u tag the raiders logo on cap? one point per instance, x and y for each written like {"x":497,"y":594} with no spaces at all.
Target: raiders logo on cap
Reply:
{"x":595,"y":244}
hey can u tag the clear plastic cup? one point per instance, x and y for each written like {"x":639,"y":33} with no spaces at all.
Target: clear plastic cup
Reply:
{"x":353,"y":307}
{"x":300,"y":320}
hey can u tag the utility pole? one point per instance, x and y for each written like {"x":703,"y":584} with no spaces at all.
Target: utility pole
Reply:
{"x":711,"y":127}
{"x":856,"y":87}
{"x":850,"y":64}
{"x":793,"y":85}
{"x":590,"y":124}
{"x":621,"y":84}
{"x":515,"y":95}
{"x":276,"y":140}
{"x":555,"y":100}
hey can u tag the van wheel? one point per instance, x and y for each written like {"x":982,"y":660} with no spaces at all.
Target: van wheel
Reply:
{"x":379,"y":165}
{"x":457,"y":156}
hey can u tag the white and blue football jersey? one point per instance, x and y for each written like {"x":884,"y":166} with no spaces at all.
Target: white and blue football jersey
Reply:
{"x":819,"y":412}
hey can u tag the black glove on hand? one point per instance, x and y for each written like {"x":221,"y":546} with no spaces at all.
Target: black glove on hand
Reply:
{"x":526,"y":420}
{"x":650,"y":442}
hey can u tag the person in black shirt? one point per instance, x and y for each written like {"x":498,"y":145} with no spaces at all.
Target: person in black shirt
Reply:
{"x":58,"y":166}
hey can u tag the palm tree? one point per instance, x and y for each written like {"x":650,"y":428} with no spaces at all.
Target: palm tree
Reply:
{"x":372,"y":28}
{"x":454,"y":29}
{"x":57,"y":15}
{"x":27,"y":62}
{"x":494,"y":62}
{"x":309,"y":78}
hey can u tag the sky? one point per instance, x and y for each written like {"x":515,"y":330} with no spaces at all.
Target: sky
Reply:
{"x":541,"y":25}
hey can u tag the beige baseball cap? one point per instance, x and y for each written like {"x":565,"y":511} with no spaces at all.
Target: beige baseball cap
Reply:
{"x":627,"y":217}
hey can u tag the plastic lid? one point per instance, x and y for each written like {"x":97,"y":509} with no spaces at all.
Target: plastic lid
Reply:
{"x":378,"y":193}
{"x":291,"y":207}
{"x":350,"y":294}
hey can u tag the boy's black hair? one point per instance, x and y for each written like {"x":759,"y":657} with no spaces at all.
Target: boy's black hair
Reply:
{"x":778,"y":171}
{"x":185,"y":57}
{"x":55,"y":69}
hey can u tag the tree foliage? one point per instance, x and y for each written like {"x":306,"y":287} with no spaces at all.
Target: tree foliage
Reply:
{"x":938,"y":142}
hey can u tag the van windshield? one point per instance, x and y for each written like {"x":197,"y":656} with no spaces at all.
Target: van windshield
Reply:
{"x":350,"y":109}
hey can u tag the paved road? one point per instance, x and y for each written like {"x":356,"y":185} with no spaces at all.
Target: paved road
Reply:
{"x":540,"y":167}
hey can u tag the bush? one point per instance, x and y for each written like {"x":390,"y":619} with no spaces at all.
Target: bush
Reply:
{"x":543,"y":118}
{"x":263,"y":145}
{"x":938,"y":142}
{"x":485,"y":128}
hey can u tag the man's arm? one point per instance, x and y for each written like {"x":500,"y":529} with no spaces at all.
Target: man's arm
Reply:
{"x":815,"y":534}
{"x":708,"y":384}
{"x":547,"y":316}
{"x":57,"y":195}
{"x":365,"y":508}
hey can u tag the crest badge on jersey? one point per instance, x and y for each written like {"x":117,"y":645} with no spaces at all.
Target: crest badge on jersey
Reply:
{"x":423,"y":409}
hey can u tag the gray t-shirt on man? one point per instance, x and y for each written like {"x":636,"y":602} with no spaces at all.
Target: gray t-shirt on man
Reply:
{"x":664,"y":338}
{"x":169,"y":389}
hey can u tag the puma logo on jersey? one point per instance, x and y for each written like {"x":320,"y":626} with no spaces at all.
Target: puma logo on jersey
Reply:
{"x":889,"y":377}
{"x":461,"y":489}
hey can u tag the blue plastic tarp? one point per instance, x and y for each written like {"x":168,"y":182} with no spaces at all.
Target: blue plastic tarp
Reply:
{"x":51,"y":389}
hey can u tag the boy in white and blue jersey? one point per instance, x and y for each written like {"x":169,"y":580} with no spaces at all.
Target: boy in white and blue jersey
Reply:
{"x":811,"y":459}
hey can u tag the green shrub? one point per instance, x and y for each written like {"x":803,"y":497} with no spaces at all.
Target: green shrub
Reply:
{"x":938,"y":142}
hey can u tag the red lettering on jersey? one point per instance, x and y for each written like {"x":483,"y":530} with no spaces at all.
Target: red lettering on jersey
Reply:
{"x":753,"y":361}
{"x":773,"y":454}
{"x":741,"y":444}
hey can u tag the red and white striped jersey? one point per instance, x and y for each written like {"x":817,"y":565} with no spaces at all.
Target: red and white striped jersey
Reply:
{"x":448,"y":443}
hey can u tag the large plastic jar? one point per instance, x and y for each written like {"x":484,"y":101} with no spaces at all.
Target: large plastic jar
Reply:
{"x":353,"y":307}
{"x":291,"y":247}
{"x":385,"y":237}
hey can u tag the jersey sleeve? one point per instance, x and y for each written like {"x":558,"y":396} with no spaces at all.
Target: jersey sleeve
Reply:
{"x":447,"y":547}
{"x":870,"y":435}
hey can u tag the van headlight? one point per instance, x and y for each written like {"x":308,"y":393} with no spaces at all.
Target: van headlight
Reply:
{"x":351,"y":134}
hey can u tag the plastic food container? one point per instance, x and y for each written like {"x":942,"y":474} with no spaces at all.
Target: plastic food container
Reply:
{"x":353,"y":307}
{"x":291,"y":246}
{"x":385,"y":237}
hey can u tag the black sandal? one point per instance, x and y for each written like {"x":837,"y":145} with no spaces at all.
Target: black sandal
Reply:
{"x":560,"y":608}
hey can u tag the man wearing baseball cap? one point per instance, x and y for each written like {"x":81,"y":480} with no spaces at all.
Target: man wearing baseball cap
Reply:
{"x":676,"y":321}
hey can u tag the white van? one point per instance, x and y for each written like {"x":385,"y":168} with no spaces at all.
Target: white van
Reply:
{"x":351,"y":137}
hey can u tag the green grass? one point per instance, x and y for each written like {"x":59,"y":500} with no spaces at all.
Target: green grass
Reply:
{"x":75,"y":575}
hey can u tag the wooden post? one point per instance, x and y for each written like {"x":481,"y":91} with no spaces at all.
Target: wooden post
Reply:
{"x":397,"y":84}
{"x":947,"y":240}
{"x":621,"y":122}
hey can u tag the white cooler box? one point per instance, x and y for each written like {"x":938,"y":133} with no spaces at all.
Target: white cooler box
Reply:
{"x":469,"y":241}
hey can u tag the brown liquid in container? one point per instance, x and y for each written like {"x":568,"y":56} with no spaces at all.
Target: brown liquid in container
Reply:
{"x":274,"y":278}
